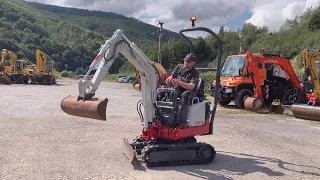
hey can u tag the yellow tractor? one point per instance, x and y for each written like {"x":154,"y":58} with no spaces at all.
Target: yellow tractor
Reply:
{"x":40,"y":74}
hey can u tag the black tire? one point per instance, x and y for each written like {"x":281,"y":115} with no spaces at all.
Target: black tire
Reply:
{"x":290,"y":98}
{"x":20,"y":79}
{"x":239,"y":97}
{"x":224,"y":102}
{"x":26,"y":80}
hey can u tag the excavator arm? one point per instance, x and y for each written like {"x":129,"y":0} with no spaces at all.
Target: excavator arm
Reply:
{"x":13,"y":57}
{"x":310,"y":59}
{"x":41,"y":61}
{"x":280,"y":60}
{"x":252,"y":64}
{"x":3,"y":57}
{"x":117,"y":44}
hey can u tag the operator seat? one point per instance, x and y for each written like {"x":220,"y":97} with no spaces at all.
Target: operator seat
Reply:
{"x":199,"y":92}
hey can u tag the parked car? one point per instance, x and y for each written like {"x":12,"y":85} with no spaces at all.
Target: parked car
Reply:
{"x":130,"y":79}
{"x":122,"y":79}
{"x":126,"y":79}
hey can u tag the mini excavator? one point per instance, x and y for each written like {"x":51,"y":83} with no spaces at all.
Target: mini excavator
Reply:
{"x":289,"y":91}
{"x":162,"y":143}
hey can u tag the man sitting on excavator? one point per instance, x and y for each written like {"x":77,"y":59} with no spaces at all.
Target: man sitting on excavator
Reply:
{"x":184,"y":78}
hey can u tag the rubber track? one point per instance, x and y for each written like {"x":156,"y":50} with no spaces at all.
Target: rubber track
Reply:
{"x":164,"y":147}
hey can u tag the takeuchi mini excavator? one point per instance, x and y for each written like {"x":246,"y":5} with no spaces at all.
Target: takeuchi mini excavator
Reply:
{"x":311,"y":109}
{"x":288,"y":91}
{"x":162,"y":143}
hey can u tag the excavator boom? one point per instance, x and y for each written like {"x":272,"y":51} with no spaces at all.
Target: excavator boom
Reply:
{"x":86,"y":106}
{"x":256,"y":102}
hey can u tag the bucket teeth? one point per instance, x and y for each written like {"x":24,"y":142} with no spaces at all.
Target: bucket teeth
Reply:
{"x":93,"y":108}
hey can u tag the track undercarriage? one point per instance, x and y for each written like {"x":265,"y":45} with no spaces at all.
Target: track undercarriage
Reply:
{"x":161,"y":152}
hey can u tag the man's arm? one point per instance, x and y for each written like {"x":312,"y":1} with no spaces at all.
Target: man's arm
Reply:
{"x":173,"y":74}
{"x":188,"y":86}
{"x":192,"y":84}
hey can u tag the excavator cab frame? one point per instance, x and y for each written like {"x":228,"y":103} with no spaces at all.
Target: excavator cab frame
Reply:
{"x":178,"y":145}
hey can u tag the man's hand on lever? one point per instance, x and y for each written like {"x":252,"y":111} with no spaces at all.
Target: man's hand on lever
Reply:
{"x":188,"y":86}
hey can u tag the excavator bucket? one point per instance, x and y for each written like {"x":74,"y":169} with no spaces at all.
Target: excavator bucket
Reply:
{"x":304,"y":111}
{"x":93,"y":108}
{"x":253,"y":103}
{"x":5,"y":80}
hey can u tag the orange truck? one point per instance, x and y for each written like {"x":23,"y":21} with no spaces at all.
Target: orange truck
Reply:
{"x":240,"y":73}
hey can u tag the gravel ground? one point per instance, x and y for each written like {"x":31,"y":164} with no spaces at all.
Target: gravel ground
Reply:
{"x":40,"y":141}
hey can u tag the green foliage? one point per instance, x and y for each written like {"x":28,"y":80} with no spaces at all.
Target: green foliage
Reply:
{"x":127,"y":68}
{"x":65,"y":73}
{"x":208,"y":77}
{"x":68,"y":36}
{"x":72,"y":37}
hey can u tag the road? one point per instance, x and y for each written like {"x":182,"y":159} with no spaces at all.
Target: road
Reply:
{"x":39,"y":141}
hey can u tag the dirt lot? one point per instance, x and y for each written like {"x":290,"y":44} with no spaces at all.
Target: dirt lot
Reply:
{"x":39,"y":141}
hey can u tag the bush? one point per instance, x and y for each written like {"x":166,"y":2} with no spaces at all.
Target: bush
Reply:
{"x":64,"y":73}
{"x":208,"y":77}
{"x":70,"y":73}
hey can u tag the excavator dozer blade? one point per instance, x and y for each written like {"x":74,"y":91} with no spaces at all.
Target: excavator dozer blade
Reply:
{"x":128,"y":150}
{"x":304,"y":111}
{"x":93,"y":108}
{"x":5,"y":80}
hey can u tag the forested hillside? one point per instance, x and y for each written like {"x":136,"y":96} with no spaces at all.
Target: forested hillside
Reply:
{"x":68,"y":36}
{"x":71,"y":36}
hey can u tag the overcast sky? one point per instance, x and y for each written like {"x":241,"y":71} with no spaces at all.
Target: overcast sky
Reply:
{"x":210,"y":13}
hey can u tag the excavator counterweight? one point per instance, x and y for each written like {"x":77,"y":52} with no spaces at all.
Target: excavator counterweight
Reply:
{"x":93,"y":108}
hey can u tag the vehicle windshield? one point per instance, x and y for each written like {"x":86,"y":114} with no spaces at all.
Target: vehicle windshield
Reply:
{"x":232,"y":65}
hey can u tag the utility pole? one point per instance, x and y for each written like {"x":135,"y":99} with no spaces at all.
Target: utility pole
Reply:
{"x":240,"y":45}
{"x":160,"y":42}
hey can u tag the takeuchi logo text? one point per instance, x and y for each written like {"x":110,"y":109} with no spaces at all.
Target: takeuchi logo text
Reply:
{"x":272,"y":61}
